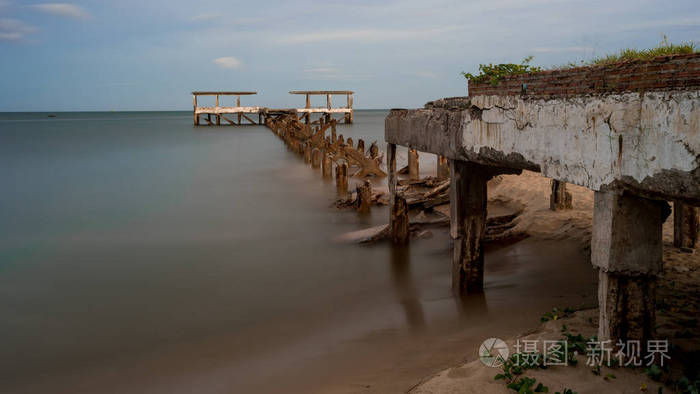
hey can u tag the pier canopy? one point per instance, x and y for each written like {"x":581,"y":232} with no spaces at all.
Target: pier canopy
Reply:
{"x":317,"y":92}
{"x":205,"y":93}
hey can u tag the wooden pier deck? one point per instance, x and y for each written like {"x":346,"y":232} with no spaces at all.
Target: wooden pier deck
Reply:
{"x":328,"y":111}
{"x":220,"y":112}
{"x":245,"y":115}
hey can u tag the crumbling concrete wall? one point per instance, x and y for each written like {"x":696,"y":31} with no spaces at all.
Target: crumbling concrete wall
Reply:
{"x":648,"y":142}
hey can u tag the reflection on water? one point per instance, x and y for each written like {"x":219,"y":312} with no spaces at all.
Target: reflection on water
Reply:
{"x":405,"y":287}
{"x":141,"y":254}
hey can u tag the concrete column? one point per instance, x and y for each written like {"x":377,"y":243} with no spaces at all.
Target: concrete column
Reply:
{"x":443,"y":167}
{"x":412,"y":164}
{"x":560,"y":198}
{"x":686,"y":223}
{"x":468,"y":225}
{"x":398,"y":219}
{"x":626,"y":247}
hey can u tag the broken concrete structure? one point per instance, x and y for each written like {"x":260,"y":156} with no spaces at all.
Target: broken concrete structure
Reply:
{"x":630,"y":132}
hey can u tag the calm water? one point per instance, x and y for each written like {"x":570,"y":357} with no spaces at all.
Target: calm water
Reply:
{"x":139,"y":254}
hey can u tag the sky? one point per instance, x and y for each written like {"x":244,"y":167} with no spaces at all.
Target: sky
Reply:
{"x":99,"y":55}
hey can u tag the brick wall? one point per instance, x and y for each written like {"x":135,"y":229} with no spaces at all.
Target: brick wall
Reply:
{"x":661,"y":73}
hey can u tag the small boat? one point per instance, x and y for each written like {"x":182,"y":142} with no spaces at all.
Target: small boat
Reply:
{"x":52,"y":116}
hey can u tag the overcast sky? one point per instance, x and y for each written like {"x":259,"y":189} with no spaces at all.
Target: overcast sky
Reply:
{"x":150,"y":54}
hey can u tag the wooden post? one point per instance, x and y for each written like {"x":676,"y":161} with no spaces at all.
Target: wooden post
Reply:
{"x":217,"y":100}
{"x":327,"y":165}
{"x":307,"y":153}
{"x":238,"y":104}
{"x":560,"y":198}
{"x":194,"y":103}
{"x":413,"y":164}
{"x":341,"y":178}
{"x":328,"y":101}
{"x":350,"y":142}
{"x":373,"y":151}
{"x":686,"y":225}
{"x":364,"y":197}
{"x":467,"y":225}
{"x":308,"y":102}
{"x":316,"y":158}
{"x":361,"y":146}
{"x":399,"y":221}
{"x":333,"y":136}
{"x":443,"y":167}
{"x":218,"y":120}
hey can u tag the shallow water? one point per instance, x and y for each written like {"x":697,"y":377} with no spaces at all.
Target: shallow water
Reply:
{"x":141,"y":254}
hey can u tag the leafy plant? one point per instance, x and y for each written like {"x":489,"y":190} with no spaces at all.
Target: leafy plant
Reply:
{"x":556,"y":314}
{"x":494,"y":73}
{"x":654,"y":372}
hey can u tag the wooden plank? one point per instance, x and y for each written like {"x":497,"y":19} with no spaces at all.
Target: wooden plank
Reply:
{"x":223,"y":93}
{"x":321,"y":92}
{"x":249,"y":119}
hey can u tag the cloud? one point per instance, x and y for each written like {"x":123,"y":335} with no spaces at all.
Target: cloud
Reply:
{"x":227,"y":62}
{"x":63,"y":9}
{"x":14,"y":30}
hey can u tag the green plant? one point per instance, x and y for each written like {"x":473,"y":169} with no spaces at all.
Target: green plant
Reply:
{"x":494,"y":73}
{"x":556,"y":314}
{"x":654,"y":372}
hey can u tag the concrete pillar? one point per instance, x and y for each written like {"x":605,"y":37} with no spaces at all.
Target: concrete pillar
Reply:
{"x":626,"y":247}
{"x":468,"y":224}
{"x":398,"y":217}
{"x":686,"y":223}
{"x":443,"y":167}
{"x":560,"y":198}
{"x":412,"y":164}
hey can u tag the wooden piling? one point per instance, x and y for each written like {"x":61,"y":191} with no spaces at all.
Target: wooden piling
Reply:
{"x":333,"y":136}
{"x":560,"y":198}
{"x":413,"y":164}
{"x":307,"y":153}
{"x":686,"y":225}
{"x":443,"y":167}
{"x":373,"y":151}
{"x":399,"y":221}
{"x":364,"y":197}
{"x":341,"y":178}
{"x":316,"y":158}
{"x":349,"y":142}
{"x":327,"y":165}
{"x":361,"y":146}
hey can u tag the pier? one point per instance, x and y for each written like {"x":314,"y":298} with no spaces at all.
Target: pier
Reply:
{"x":629,"y":132}
{"x":328,"y":111}
{"x":239,"y":115}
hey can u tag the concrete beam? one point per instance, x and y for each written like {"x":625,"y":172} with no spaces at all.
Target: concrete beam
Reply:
{"x":648,"y":143}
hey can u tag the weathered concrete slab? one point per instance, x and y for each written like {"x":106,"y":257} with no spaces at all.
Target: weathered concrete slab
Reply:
{"x":645,"y":142}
